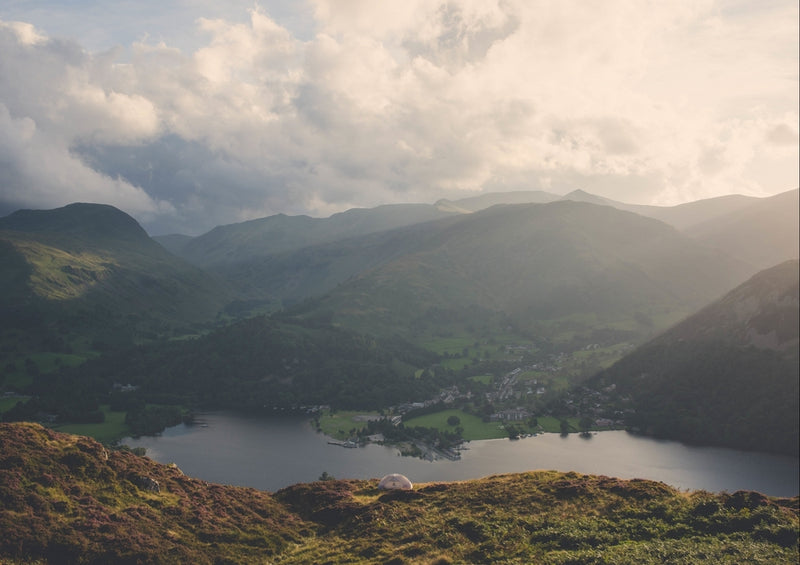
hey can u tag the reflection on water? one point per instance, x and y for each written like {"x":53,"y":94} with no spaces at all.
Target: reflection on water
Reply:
{"x":271,"y":453}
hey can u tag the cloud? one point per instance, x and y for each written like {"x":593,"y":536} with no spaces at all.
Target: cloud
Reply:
{"x":412,"y":101}
{"x":48,"y":102}
{"x":39,"y":171}
{"x":782,"y":135}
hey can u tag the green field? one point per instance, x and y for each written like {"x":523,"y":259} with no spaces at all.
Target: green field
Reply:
{"x":485,"y":379}
{"x":16,"y":375}
{"x":456,"y":364}
{"x":9,"y":403}
{"x":339,"y":424}
{"x":111,"y":430}
{"x":455,"y":345}
{"x":49,"y":362}
{"x":474,"y":427}
{"x":16,"y":380}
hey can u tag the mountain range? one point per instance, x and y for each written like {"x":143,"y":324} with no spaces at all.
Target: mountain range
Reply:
{"x":478,"y":259}
{"x":274,"y":234}
{"x":560,"y":273}
{"x":539,"y":267}
{"x":289,"y":258}
{"x":244,"y":241}
{"x":554,"y":266}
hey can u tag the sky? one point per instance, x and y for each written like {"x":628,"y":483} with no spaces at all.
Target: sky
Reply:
{"x":189,"y":114}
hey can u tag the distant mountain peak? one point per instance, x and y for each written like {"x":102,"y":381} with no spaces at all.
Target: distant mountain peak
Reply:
{"x":79,"y":219}
{"x":489,"y":199}
{"x":96,"y":258}
{"x":581,"y":195}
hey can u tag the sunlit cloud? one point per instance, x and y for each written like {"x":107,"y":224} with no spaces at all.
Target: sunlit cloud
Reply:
{"x":341,"y":104}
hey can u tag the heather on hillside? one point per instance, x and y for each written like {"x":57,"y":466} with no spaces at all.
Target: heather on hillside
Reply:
{"x":66,"y":499}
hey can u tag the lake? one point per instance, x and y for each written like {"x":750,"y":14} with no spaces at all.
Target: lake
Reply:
{"x":269,"y":453}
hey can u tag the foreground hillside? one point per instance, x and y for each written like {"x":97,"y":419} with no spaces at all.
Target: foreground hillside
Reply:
{"x":728,"y":375}
{"x":65,"y":499}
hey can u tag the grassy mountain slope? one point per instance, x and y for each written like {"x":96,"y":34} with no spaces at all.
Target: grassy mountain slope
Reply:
{"x":66,"y":500}
{"x":727,"y":375}
{"x":288,"y":270}
{"x":256,"y":239}
{"x":235,"y":243}
{"x":244,"y":242}
{"x":283,"y":259}
{"x":84,"y":222}
{"x":89,"y":272}
{"x":762,"y":313}
{"x":759,"y":231}
{"x":764,"y":233}
{"x":682,"y":216}
{"x":534,"y":264}
{"x":317,"y":269}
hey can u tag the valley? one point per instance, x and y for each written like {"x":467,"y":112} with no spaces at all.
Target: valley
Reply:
{"x":385,"y":309}
{"x":429,"y":283}
{"x":473,"y":341}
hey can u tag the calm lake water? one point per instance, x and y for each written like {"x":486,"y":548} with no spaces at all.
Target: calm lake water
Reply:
{"x":271,"y":453}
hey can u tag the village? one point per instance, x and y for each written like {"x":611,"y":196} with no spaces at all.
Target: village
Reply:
{"x":521,"y":402}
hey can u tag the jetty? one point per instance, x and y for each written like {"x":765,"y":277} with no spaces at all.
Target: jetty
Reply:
{"x":349,"y":443}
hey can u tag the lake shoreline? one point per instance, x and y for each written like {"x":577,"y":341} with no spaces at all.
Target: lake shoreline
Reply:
{"x":271,"y":453}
